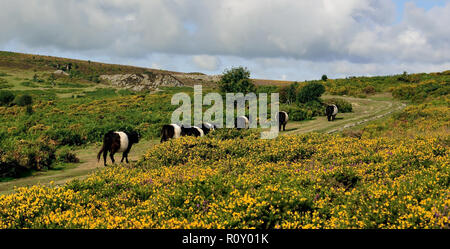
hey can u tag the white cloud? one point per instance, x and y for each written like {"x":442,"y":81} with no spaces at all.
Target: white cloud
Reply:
{"x":315,"y":34}
{"x":206,"y":62}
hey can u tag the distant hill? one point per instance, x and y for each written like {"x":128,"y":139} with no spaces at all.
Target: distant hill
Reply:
{"x":96,"y":71}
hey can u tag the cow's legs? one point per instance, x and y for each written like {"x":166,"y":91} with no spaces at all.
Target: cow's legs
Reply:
{"x":124,"y":156}
{"x":111,"y":155}
{"x":284,"y":127}
{"x":105,"y":154}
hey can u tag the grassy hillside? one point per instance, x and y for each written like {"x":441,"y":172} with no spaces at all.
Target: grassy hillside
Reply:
{"x":389,"y":173}
{"x":377,"y":180}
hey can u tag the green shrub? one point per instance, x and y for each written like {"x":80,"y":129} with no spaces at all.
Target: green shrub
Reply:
{"x":65,"y":137}
{"x":66,"y":155}
{"x":23,"y":100}
{"x":310,"y":92}
{"x":342,"y":104}
{"x":288,"y":94}
{"x":314,"y":106}
{"x":369,"y":90}
{"x":296,"y":113}
{"x":26,"y":155}
{"x":6,"y":97}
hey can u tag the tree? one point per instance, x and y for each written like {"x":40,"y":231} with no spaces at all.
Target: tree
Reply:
{"x":288,"y":94}
{"x":324,"y":77}
{"x":310,"y":92}
{"x":236,"y":80}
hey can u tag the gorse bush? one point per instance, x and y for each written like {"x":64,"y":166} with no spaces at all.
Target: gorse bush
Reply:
{"x":27,"y":155}
{"x":306,"y":181}
{"x":421,"y":91}
{"x":227,"y":133}
{"x":65,"y":155}
{"x":6,"y":97}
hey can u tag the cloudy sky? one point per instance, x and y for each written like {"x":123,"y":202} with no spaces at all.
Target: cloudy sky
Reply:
{"x":276,"y":39}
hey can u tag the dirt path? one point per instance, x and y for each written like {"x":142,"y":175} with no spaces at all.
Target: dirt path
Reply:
{"x":364,"y":110}
{"x":88,"y":164}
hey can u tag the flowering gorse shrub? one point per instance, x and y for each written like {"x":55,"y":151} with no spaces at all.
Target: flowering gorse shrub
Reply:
{"x":304,"y":181}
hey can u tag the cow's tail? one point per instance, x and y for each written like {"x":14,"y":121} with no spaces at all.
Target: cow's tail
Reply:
{"x":106,"y":141}
{"x":163,"y":134}
{"x":100,"y":152}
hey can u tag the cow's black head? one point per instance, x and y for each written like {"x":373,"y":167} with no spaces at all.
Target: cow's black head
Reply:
{"x":134,"y":137}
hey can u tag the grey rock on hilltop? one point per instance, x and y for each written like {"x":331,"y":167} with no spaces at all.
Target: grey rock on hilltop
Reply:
{"x":139,"y":82}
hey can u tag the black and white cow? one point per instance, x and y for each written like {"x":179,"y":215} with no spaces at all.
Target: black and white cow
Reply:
{"x":208,"y":127}
{"x":170,"y":131}
{"x":117,"y":141}
{"x":241,"y":122}
{"x":176,"y":131}
{"x":283,"y":118}
{"x":192,"y":131}
{"x":331,"y":112}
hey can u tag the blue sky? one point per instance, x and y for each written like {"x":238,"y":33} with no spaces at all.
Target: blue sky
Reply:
{"x":425,"y":4}
{"x":282,"y":39}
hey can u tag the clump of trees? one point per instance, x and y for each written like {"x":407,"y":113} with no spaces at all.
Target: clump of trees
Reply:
{"x":236,"y":80}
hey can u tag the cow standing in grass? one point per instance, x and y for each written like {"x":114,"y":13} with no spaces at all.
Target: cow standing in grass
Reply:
{"x":283,"y":118}
{"x":117,"y":141}
{"x":208,"y":127}
{"x":193,"y":131}
{"x":331,"y":112}
{"x":241,"y":122}
{"x":176,"y":131}
{"x":170,"y":131}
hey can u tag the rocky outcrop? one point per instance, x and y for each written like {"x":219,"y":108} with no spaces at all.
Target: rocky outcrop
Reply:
{"x":60,"y":72}
{"x":139,"y":82}
{"x":198,"y":77}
